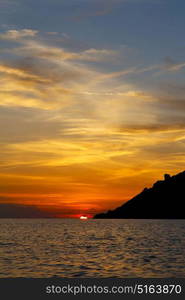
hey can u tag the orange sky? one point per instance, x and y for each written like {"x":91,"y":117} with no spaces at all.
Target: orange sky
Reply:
{"x":85,"y":124}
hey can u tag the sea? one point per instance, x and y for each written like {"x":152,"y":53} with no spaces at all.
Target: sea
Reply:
{"x":72,"y":248}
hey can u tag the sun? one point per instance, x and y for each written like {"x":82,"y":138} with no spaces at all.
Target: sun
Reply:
{"x":83,"y":217}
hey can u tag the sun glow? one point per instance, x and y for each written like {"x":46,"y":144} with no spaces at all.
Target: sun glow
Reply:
{"x":83,"y":218}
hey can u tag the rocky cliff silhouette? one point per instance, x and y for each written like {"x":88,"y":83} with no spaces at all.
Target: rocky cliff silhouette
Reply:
{"x":164,"y":200}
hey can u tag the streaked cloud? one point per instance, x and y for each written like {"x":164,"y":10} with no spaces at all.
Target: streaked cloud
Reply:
{"x":18,"y":34}
{"x":95,"y":8}
{"x":84,"y":126}
{"x":22,"y":211}
{"x":172,"y":65}
{"x":48,"y":52}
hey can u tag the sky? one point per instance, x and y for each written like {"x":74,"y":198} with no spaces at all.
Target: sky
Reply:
{"x":92,"y":102}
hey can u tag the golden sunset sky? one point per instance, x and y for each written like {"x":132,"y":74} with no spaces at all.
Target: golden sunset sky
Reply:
{"x":92,"y":102}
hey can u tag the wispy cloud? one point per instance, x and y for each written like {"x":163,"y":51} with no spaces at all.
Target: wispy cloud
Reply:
{"x":80,"y":124}
{"x":18,"y":34}
{"x":95,"y":8}
{"x":44,"y":51}
{"x":172,"y":65}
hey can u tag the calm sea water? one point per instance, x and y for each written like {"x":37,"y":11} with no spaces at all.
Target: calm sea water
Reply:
{"x":93,"y":248}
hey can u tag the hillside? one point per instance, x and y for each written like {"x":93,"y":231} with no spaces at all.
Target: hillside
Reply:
{"x":164,"y":200}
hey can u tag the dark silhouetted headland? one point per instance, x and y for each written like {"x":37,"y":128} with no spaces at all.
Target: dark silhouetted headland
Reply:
{"x":164,"y":200}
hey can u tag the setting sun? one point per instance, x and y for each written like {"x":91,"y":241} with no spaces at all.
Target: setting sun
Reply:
{"x":83,"y":218}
